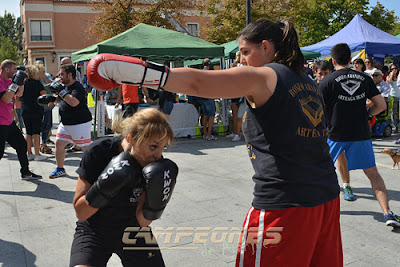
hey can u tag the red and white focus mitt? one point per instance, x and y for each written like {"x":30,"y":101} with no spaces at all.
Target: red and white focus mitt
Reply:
{"x":107,"y":71}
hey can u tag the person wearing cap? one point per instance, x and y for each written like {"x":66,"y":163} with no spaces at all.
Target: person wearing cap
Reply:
{"x":383,"y":87}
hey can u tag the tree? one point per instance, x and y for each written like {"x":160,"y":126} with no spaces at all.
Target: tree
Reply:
{"x":117,"y":16}
{"x":382,"y":18}
{"x":8,"y":50}
{"x":316,"y":20}
{"x":324,"y":18}
{"x":8,"y":27}
{"x":9,"y":36}
{"x":396,"y":28}
{"x":229,"y":16}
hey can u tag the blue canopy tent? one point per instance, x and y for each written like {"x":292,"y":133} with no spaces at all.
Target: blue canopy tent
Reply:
{"x":359,"y":35}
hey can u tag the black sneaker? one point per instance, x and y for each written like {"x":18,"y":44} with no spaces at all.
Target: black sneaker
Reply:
{"x":30,"y":176}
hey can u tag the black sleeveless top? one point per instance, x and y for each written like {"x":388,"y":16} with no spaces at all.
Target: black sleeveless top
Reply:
{"x":287,"y":146}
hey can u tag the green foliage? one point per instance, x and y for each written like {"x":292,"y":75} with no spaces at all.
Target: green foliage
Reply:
{"x":117,"y":16}
{"x":7,"y":49}
{"x":396,"y":29}
{"x":229,"y":16}
{"x":322,"y":19}
{"x":315,"y":20}
{"x":382,"y":18}
{"x":8,"y":26}
{"x":9,"y":36}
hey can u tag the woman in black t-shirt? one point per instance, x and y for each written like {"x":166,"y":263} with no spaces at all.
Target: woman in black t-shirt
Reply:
{"x":294,"y":219}
{"x":102,"y":231}
{"x":32,"y":112}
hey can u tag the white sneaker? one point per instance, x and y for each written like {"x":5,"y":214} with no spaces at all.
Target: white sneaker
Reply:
{"x":231,"y":135}
{"x":236,"y":138}
{"x":40,"y":158}
{"x":31,"y":157}
{"x":211,"y":138}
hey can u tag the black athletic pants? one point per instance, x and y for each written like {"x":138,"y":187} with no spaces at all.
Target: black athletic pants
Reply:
{"x":12,"y":135}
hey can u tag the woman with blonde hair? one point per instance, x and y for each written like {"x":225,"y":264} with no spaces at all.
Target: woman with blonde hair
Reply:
{"x":32,"y":112}
{"x":114,"y":189}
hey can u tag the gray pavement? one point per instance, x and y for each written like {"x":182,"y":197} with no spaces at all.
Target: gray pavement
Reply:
{"x":201,"y":223}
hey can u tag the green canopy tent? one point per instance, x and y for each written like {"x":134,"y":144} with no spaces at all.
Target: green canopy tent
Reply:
{"x":232,"y":47}
{"x":154,"y":43}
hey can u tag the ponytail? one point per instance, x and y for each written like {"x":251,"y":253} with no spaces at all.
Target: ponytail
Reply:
{"x":284,"y":37}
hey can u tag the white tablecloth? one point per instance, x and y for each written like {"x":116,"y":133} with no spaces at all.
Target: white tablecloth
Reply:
{"x":183,"y":119}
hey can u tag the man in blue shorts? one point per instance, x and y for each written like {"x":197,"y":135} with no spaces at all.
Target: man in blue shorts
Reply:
{"x":345,"y":93}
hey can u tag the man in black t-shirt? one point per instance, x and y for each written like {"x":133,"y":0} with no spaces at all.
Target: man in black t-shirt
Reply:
{"x":345,"y":93}
{"x":76,"y":119}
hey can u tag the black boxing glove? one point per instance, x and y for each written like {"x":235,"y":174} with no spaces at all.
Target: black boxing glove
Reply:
{"x":18,"y":79}
{"x":44,"y":100}
{"x":58,"y":88}
{"x":21,"y":67}
{"x":120,"y":172}
{"x":160,"y":177}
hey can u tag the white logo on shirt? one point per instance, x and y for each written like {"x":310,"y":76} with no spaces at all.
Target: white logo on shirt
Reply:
{"x":350,"y":86}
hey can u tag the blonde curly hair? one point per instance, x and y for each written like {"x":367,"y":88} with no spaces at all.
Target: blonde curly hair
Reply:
{"x":146,"y":123}
{"x":32,"y":71}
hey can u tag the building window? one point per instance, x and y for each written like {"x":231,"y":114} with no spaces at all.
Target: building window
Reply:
{"x":193,"y":29}
{"x":40,"y":30}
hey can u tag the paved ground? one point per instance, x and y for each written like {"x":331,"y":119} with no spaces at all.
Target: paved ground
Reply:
{"x":211,"y":198}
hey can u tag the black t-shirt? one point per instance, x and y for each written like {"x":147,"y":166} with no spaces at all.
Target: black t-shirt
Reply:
{"x":29,"y":106}
{"x":121,"y":212}
{"x":287,"y":145}
{"x":345,"y":93}
{"x":75,"y":115}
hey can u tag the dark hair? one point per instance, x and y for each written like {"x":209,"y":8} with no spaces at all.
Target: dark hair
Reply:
{"x":69,"y":68}
{"x":206,"y":62}
{"x":370,"y":59}
{"x":393,"y":64}
{"x":7,"y":64}
{"x":341,"y":53}
{"x":385,"y":69}
{"x":284,"y":37}
{"x":324,"y":65}
{"x":360,"y":61}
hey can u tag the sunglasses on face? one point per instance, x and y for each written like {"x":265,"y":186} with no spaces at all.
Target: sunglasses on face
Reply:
{"x":376,"y":75}
{"x":393,"y":69}
{"x":367,"y":62}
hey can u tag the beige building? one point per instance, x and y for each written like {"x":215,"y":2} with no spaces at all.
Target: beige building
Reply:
{"x":54,"y":29}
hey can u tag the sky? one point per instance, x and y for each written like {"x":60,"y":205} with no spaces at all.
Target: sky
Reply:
{"x":12,"y":6}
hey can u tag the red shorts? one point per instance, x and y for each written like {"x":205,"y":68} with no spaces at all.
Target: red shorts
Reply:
{"x":292,"y":237}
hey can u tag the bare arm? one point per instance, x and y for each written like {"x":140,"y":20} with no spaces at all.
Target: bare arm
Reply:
{"x":8,"y":95}
{"x":83,"y":210}
{"x":379,"y":105}
{"x":71,"y":100}
{"x":146,"y":94}
{"x":119,"y":96}
{"x":256,"y":83}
